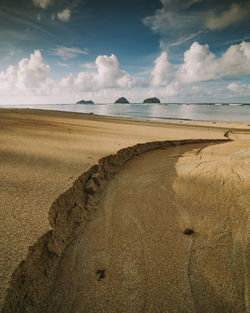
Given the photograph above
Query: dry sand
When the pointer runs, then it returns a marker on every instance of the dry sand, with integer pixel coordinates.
(135, 231)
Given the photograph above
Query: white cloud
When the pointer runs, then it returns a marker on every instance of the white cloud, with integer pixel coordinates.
(64, 15)
(62, 64)
(236, 60)
(176, 21)
(108, 75)
(184, 16)
(163, 93)
(88, 65)
(67, 53)
(186, 38)
(160, 74)
(233, 87)
(68, 82)
(242, 89)
(172, 89)
(42, 3)
(201, 65)
(84, 81)
(234, 14)
(170, 16)
(105, 80)
(29, 77)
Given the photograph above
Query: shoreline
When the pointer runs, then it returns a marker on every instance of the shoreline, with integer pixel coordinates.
(149, 118)
(225, 125)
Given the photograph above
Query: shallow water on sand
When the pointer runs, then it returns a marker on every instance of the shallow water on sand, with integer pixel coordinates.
(212, 112)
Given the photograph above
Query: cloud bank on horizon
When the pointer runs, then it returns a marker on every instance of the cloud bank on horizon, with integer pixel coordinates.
(193, 51)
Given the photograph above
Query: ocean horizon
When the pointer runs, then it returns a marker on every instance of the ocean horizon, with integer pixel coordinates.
(226, 112)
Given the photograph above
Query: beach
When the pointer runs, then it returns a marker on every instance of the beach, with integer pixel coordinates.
(42, 153)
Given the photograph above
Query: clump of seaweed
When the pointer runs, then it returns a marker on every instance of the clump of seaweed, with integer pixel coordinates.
(188, 231)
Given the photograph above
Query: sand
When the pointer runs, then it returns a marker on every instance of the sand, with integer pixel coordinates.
(43, 152)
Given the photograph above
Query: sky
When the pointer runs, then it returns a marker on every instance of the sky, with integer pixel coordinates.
(61, 51)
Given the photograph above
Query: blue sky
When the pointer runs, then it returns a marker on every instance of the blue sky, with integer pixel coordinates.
(55, 51)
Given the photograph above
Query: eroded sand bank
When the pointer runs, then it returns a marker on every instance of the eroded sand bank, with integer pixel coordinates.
(43, 152)
(118, 243)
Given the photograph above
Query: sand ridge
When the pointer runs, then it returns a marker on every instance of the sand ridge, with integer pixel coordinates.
(39, 148)
(70, 216)
(138, 237)
(43, 152)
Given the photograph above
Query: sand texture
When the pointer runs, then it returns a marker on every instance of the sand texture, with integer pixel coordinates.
(43, 152)
(125, 218)
(120, 215)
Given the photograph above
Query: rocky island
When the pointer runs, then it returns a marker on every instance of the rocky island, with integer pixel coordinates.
(122, 100)
(85, 102)
(152, 100)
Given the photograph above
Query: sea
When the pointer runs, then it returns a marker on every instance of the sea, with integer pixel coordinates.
(227, 112)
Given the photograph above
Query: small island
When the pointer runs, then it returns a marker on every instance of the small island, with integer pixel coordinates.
(121, 100)
(152, 100)
(85, 102)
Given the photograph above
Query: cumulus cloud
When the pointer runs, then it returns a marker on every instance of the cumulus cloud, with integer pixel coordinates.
(104, 78)
(66, 52)
(172, 89)
(234, 14)
(200, 64)
(107, 75)
(30, 76)
(160, 74)
(236, 60)
(64, 15)
(42, 3)
(163, 93)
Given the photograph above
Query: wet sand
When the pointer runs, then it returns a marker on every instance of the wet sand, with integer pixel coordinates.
(43, 152)
(137, 237)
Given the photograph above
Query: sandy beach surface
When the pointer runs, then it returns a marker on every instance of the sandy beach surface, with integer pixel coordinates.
(129, 252)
